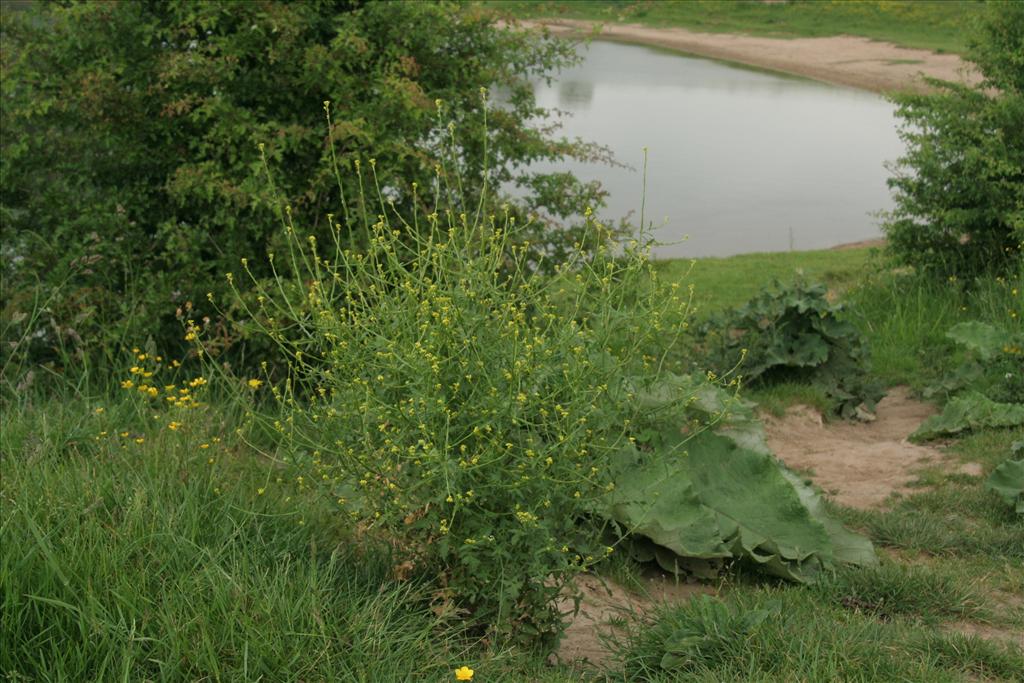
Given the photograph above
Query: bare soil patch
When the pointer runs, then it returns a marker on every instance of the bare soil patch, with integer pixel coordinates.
(1002, 634)
(859, 464)
(606, 605)
(845, 60)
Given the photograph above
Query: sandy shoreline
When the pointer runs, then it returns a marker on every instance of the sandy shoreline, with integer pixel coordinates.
(843, 60)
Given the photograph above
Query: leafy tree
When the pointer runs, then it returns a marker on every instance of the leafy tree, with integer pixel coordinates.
(960, 188)
(133, 179)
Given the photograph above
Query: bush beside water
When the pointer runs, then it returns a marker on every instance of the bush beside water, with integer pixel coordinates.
(460, 406)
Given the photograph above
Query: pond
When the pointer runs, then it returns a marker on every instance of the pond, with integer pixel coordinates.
(739, 160)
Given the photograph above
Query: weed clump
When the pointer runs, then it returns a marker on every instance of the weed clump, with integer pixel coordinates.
(457, 405)
(794, 332)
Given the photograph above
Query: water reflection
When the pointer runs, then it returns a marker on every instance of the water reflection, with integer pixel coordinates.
(740, 160)
(575, 94)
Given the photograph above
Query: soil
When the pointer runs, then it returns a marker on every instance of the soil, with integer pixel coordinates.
(986, 632)
(860, 464)
(844, 60)
(605, 603)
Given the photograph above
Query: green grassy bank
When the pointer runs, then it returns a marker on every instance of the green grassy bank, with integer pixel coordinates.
(134, 550)
(937, 25)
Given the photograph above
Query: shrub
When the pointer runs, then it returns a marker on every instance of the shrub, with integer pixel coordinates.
(959, 190)
(131, 177)
(456, 403)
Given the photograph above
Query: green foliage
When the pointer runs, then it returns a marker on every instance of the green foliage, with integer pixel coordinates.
(959, 189)
(968, 411)
(458, 404)
(904, 316)
(704, 633)
(987, 341)
(793, 332)
(131, 181)
(986, 388)
(992, 367)
(705, 497)
(1008, 481)
(158, 561)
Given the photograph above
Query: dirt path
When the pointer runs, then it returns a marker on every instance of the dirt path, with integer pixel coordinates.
(845, 60)
(859, 464)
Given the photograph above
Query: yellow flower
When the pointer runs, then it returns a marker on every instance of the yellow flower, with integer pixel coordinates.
(174, 426)
(464, 673)
(152, 391)
(99, 410)
(139, 440)
(191, 336)
(255, 383)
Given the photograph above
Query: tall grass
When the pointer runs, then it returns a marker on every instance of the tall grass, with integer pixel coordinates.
(164, 560)
(905, 318)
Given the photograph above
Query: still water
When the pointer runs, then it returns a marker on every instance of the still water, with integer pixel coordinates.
(738, 159)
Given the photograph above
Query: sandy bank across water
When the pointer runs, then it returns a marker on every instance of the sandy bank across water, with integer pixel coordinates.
(844, 60)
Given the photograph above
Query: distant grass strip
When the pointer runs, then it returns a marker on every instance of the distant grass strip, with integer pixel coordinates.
(937, 25)
(726, 282)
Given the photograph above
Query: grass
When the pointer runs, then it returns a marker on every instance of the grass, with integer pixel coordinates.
(951, 565)
(727, 282)
(937, 25)
(905, 318)
(163, 560)
(814, 638)
(952, 551)
(167, 560)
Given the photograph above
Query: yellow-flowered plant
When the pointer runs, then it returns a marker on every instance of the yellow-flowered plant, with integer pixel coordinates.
(168, 394)
(456, 402)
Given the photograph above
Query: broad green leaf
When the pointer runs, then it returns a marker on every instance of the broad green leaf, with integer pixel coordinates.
(709, 498)
(759, 513)
(654, 497)
(847, 547)
(1008, 481)
(984, 339)
(971, 410)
